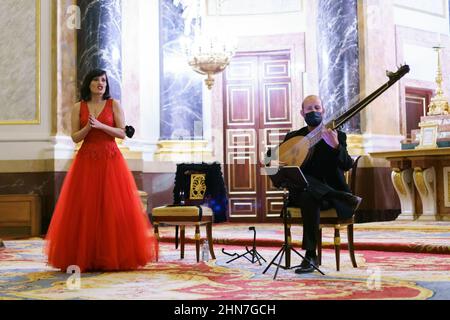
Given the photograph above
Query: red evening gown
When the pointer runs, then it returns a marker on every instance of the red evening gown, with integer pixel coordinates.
(98, 222)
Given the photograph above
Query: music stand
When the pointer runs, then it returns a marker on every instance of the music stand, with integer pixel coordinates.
(253, 252)
(289, 177)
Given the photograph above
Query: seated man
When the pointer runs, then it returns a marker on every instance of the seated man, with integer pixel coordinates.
(324, 170)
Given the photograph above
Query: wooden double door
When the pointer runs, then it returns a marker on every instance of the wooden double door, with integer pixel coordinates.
(257, 115)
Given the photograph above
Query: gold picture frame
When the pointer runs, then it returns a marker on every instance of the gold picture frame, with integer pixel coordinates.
(428, 135)
(37, 118)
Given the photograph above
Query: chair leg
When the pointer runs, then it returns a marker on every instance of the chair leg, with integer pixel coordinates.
(176, 237)
(351, 247)
(197, 242)
(287, 253)
(337, 246)
(182, 240)
(210, 240)
(156, 229)
(319, 247)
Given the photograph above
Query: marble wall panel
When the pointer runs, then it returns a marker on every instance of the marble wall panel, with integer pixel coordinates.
(19, 66)
(100, 41)
(181, 88)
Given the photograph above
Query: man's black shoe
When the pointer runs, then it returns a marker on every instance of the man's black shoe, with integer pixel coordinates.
(307, 265)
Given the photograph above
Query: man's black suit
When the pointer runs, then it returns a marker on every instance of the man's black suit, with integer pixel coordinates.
(324, 170)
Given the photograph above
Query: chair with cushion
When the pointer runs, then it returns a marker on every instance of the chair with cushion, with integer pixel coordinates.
(204, 203)
(329, 219)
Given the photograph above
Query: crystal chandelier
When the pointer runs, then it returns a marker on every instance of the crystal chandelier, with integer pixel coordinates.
(208, 51)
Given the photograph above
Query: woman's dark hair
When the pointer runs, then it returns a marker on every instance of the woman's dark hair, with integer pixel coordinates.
(85, 91)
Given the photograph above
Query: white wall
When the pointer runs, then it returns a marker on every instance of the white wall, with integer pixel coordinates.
(256, 17)
(422, 60)
(429, 15)
(422, 25)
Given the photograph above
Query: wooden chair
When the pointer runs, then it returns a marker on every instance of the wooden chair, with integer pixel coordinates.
(194, 213)
(329, 219)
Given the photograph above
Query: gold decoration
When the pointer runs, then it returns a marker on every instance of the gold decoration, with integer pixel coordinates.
(439, 104)
(428, 135)
(198, 187)
(355, 144)
(183, 151)
(337, 241)
(411, 153)
(420, 181)
(210, 62)
(398, 182)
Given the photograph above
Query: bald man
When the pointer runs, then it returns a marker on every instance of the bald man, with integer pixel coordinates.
(324, 171)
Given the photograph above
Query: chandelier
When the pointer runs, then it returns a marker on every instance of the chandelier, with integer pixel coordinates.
(209, 55)
(207, 49)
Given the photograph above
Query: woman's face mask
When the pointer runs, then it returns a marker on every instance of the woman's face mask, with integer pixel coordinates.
(313, 119)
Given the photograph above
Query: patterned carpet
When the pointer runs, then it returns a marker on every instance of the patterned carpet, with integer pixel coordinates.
(380, 275)
(393, 236)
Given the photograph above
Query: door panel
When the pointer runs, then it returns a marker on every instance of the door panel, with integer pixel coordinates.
(275, 88)
(243, 208)
(257, 92)
(277, 108)
(241, 105)
(241, 174)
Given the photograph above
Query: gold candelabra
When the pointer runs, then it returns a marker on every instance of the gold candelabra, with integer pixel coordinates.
(439, 104)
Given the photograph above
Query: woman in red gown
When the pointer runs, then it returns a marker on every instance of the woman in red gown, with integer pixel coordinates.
(99, 222)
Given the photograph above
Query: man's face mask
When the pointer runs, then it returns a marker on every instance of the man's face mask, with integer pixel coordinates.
(313, 119)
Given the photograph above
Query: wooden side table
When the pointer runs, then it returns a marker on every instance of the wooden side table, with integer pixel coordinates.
(20, 215)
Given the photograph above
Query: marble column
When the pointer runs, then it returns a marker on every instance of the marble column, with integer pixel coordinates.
(100, 41)
(338, 55)
(181, 88)
(66, 68)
